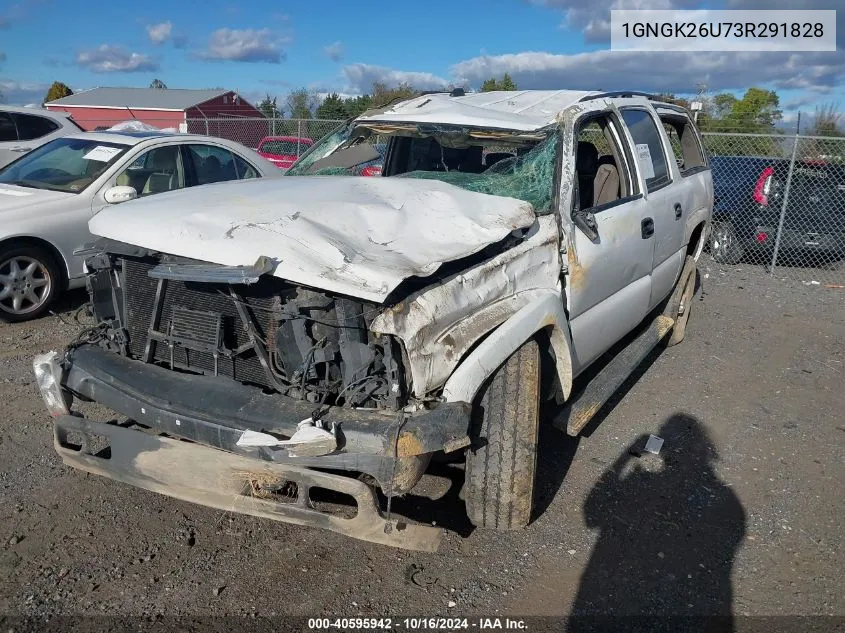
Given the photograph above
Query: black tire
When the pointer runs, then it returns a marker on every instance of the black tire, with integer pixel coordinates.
(501, 464)
(14, 280)
(724, 243)
(680, 303)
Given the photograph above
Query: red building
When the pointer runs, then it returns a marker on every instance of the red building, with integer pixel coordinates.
(100, 108)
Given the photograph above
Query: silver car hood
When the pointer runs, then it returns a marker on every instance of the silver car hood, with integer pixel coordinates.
(356, 236)
(15, 198)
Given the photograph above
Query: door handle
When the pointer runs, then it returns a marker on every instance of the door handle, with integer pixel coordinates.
(648, 228)
(679, 210)
(21, 149)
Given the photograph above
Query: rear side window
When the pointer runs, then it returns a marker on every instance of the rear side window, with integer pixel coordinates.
(649, 149)
(211, 164)
(32, 127)
(243, 168)
(685, 143)
(7, 128)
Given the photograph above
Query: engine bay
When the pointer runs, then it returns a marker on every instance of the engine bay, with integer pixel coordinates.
(302, 343)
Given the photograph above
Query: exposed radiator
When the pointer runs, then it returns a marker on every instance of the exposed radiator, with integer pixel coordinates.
(139, 297)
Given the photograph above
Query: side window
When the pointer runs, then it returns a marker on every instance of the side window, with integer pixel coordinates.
(685, 143)
(243, 169)
(7, 128)
(32, 127)
(155, 171)
(649, 149)
(601, 167)
(211, 164)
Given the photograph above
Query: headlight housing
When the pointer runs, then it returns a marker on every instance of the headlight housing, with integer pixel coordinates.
(48, 376)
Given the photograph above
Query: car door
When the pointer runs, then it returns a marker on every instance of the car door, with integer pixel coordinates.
(691, 173)
(609, 241)
(8, 139)
(662, 195)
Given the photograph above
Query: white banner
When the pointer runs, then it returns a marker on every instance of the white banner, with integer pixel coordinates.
(721, 31)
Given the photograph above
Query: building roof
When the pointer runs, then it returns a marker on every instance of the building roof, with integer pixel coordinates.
(141, 98)
(525, 110)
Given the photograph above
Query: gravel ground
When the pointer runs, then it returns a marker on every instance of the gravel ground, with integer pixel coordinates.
(741, 512)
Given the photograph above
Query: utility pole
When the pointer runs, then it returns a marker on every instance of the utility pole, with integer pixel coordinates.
(700, 100)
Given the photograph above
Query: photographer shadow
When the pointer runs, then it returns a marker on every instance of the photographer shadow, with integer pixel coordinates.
(669, 530)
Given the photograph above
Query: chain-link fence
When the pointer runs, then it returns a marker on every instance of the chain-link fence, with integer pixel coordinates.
(779, 203)
(251, 132)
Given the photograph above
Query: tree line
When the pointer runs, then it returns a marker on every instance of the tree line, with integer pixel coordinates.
(756, 111)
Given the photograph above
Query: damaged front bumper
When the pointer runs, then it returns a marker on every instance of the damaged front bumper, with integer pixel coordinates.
(213, 413)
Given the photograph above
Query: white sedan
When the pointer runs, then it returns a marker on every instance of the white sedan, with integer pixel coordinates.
(48, 196)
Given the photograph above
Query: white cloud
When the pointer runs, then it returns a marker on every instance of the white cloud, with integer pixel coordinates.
(803, 102)
(160, 33)
(657, 71)
(334, 51)
(114, 59)
(361, 77)
(592, 17)
(22, 93)
(245, 45)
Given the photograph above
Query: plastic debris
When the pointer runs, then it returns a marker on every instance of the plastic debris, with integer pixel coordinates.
(654, 444)
(133, 125)
(310, 439)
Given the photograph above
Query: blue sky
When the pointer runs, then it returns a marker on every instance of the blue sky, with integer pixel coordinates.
(344, 46)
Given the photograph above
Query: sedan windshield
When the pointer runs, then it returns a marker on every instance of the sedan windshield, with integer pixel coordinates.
(65, 164)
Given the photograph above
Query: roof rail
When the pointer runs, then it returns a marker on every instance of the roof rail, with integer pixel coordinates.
(672, 106)
(619, 94)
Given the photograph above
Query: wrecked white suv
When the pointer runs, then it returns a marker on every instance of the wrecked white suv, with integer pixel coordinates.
(264, 340)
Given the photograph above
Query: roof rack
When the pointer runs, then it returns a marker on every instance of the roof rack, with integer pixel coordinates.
(619, 94)
(672, 106)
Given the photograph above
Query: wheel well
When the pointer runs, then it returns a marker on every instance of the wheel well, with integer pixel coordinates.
(38, 242)
(694, 245)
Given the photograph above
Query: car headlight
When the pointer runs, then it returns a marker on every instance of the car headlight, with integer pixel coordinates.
(48, 376)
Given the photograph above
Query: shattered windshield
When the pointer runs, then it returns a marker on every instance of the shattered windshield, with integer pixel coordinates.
(493, 162)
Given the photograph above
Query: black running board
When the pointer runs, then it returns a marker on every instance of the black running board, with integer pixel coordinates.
(582, 407)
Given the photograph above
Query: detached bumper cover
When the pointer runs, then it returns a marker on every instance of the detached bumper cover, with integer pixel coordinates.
(222, 480)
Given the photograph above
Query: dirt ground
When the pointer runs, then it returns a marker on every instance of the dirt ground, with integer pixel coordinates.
(742, 512)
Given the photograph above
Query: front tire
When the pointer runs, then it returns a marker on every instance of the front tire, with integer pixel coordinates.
(724, 244)
(502, 462)
(30, 280)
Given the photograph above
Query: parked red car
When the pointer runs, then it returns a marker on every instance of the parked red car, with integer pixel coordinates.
(283, 151)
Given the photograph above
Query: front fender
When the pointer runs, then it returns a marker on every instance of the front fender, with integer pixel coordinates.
(544, 313)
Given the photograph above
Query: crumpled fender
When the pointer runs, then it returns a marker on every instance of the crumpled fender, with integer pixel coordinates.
(544, 313)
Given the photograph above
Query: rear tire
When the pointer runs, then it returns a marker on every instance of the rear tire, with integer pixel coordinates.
(502, 462)
(30, 281)
(724, 244)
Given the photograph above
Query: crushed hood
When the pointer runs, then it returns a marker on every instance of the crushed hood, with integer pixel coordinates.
(355, 236)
